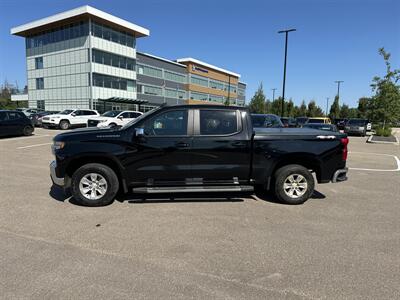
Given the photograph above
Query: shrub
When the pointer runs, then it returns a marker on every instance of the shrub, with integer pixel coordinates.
(384, 131)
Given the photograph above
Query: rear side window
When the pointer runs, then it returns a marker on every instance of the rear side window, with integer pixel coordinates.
(12, 115)
(218, 122)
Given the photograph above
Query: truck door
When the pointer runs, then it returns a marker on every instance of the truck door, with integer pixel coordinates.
(162, 156)
(221, 147)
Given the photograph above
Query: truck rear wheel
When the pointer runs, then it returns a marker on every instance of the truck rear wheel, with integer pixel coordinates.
(294, 184)
(94, 185)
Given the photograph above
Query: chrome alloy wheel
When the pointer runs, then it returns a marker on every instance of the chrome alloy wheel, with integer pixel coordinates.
(295, 186)
(93, 186)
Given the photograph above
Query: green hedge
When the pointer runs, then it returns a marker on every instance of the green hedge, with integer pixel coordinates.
(384, 131)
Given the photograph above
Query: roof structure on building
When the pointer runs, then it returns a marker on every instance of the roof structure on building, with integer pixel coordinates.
(199, 62)
(86, 10)
(161, 58)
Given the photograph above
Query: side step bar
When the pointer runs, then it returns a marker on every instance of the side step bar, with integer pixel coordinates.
(194, 189)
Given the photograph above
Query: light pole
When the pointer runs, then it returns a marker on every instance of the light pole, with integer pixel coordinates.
(284, 66)
(273, 94)
(338, 86)
(327, 104)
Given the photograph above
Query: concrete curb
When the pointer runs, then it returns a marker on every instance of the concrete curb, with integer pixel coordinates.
(369, 140)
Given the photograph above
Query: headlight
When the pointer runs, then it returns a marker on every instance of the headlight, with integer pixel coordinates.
(58, 145)
(102, 121)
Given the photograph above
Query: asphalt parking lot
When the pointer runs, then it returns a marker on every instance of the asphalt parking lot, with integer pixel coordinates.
(342, 244)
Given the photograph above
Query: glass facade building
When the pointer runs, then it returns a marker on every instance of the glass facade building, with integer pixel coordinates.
(77, 58)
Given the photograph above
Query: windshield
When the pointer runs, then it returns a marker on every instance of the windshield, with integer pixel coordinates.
(357, 122)
(66, 112)
(112, 113)
(134, 121)
(301, 120)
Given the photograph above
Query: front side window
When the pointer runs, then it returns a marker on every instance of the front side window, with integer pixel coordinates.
(168, 123)
(218, 122)
(12, 115)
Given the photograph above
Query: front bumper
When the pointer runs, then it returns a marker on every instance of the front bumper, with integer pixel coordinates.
(340, 175)
(59, 181)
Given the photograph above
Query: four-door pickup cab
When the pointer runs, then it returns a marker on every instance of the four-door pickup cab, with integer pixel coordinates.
(196, 148)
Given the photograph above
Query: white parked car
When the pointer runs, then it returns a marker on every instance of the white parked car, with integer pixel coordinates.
(113, 118)
(69, 118)
(29, 111)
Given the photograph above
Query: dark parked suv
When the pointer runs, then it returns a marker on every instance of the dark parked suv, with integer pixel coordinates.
(14, 122)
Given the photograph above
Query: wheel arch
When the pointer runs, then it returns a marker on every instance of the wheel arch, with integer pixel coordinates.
(306, 160)
(108, 161)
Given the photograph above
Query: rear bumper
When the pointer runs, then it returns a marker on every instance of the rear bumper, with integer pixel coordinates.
(59, 181)
(340, 175)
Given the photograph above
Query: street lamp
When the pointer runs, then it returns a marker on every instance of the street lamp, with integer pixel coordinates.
(284, 66)
(338, 86)
(273, 93)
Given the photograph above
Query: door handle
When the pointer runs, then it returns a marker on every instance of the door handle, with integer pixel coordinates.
(182, 145)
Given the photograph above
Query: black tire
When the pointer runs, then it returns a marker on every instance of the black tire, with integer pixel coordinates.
(28, 130)
(107, 173)
(112, 125)
(282, 174)
(64, 124)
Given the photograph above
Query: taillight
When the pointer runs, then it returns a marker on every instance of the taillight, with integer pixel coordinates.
(345, 142)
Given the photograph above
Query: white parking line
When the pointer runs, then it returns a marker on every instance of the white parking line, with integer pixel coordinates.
(36, 145)
(25, 137)
(379, 170)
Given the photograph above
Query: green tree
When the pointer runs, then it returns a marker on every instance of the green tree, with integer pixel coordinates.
(344, 111)
(302, 109)
(289, 108)
(385, 104)
(334, 112)
(276, 106)
(268, 106)
(313, 110)
(257, 103)
(364, 105)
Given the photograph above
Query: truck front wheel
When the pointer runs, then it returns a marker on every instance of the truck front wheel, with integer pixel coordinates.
(294, 184)
(94, 185)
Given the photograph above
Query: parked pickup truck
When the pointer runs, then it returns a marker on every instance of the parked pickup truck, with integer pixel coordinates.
(196, 148)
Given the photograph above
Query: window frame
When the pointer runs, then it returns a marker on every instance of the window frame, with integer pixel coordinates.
(196, 122)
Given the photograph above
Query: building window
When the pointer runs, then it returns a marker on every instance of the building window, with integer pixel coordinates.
(241, 92)
(116, 36)
(149, 71)
(40, 104)
(174, 77)
(215, 98)
(233, 88)
(113, 82)
(38, 62)
(152, 90)
(216, 85)
(58, 34)
(40, 83)
(198, 96)
(114, 60)
(199, 81)
(171, 93)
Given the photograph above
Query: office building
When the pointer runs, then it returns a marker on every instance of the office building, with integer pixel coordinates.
(86, 58)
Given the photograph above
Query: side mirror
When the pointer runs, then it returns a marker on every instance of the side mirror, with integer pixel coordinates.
(120, 117)
(73, 114)
(139, 132)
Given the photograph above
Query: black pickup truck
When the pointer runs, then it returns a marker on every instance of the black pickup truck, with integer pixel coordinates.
(196, 148)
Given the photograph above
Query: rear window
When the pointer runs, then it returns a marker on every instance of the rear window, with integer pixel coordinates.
(357, 122)
(218, 122)
(316, 121)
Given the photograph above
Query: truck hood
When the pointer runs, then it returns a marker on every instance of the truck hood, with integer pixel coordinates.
(89, 134)
(296, 133)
